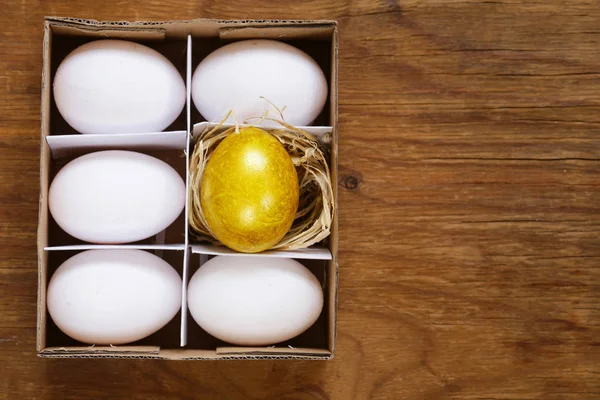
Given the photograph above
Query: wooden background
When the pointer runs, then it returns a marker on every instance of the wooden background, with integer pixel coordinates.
(469, 206)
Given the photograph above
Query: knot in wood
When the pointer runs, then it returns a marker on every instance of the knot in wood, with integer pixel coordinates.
(350, 182)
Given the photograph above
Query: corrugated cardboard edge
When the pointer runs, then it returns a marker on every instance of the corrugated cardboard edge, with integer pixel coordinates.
(291, 351)
(143, 350)
(169, 357)
(152, 352)
(227, 22)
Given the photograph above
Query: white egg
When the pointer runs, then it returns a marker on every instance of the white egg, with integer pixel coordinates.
(254, 300)
(117, 86)
(246, 76)
(113, 296)
(116, 196)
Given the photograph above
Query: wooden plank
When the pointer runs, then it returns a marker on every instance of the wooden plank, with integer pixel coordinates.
(469, 207)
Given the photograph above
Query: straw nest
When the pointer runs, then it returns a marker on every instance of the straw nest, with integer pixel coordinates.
(316, 207)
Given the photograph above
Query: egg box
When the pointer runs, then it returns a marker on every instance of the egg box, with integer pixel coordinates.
(185, 44)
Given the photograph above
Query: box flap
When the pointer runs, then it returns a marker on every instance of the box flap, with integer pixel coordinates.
(91, 28)
(275, 32)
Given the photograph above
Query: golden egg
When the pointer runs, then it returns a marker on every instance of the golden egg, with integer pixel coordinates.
(249, 191)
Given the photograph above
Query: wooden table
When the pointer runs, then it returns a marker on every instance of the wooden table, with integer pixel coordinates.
(469, 207)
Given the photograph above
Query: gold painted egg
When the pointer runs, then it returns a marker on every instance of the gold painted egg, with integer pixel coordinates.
(249, 191)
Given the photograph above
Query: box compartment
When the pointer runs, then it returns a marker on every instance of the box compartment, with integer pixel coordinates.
(166, 337)
(314, 340)
(318, 47)
(174, 49)
(173, 234)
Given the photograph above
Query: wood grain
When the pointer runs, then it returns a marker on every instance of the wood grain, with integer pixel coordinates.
(469, 207)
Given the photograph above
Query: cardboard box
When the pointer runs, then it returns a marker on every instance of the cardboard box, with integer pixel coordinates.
(185, 43)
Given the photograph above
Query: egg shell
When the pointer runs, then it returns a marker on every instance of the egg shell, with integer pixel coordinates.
(116, 196)
(113, 296)
(247, 76)
(249, 191)
(254, 300)
(118, 86)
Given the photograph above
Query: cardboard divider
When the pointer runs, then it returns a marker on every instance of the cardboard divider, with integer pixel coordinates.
(186, 258)
(82, 247)
(183, 336)
(315, 337)
(188, 86)
(310, 253)
(70, 145)
(166, 337)
(319, 132)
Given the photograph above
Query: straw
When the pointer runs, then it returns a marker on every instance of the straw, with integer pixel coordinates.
(315, 212)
